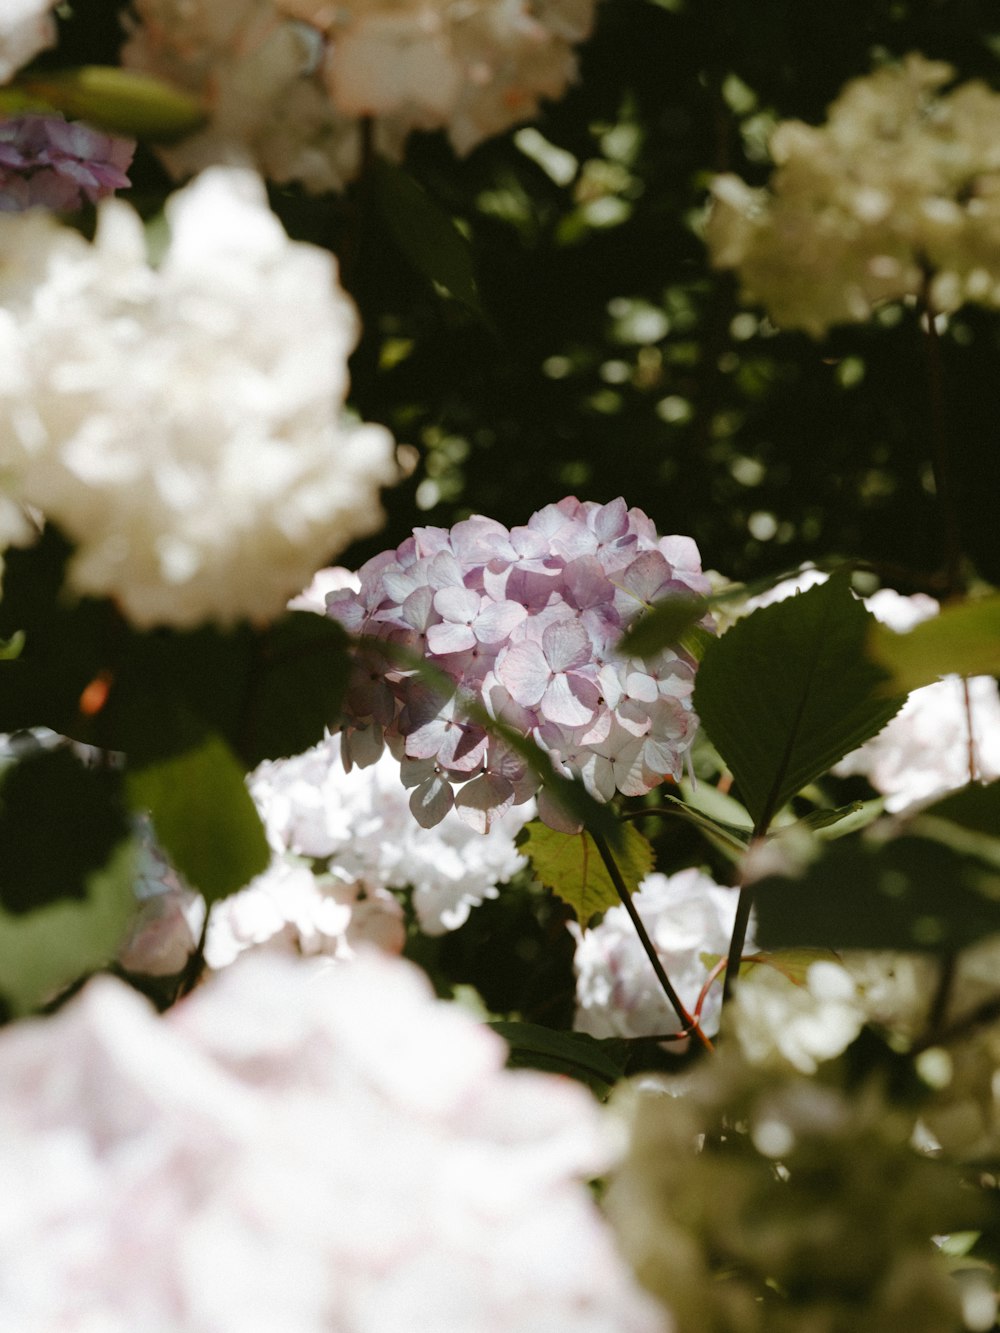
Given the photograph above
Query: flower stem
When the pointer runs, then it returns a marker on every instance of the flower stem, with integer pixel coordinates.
(690, 1024)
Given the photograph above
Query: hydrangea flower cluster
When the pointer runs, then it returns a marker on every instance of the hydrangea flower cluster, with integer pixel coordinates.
(523, 623)
(287, 82)
(687, 916)
(297, 1147)
(47, 162)
(359, 823)
(184, 425)
(900, 186)
(26, 27)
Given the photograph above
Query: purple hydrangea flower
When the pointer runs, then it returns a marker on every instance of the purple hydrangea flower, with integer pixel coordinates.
(48, 162)
(526, 624)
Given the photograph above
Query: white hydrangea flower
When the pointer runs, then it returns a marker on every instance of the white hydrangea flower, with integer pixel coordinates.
(926, 749)
(688, 918)
(901, 181)
(297, 1147)
(288, 82)
(26, 27)
(360, 822)
(779, 1023)
(290, 907)
(184, 425)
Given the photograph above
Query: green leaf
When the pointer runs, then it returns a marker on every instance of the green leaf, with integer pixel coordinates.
(663, 625)
(302, 673)
(203, 816)
(10, 649)
(59, 822)
(425, 234)
(845, 819)
(119, 100)
(598, 1063)
(963, 640)
(788, 691)
(909, 893)
(570, 865)
(44, 950)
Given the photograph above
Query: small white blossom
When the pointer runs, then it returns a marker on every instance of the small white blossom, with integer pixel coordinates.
(302, 1148)
(690, 919)
(184, 425)
(26, 27)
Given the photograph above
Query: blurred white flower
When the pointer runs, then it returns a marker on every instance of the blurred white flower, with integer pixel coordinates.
(26, 27)
(288, 82)
(900, 184)
(290, 907)
(184, 425)
(690, 919)
(302, 1148)
(360, 822)
(780, 1023)
(763, 1199)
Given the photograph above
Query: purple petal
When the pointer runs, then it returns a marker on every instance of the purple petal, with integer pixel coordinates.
(458, 604)
(450, 638)
(497, 620)
(562, 704)
(525, 673)
(483, 800)
(566, 645)
(431, 801)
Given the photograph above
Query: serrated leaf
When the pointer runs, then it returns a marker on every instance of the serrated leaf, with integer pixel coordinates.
(909, 893)
(963, 640)
(45, 950)
(599, 1063)
(788, 691)
(663, 625)
(571, 866)
(426, 234)
(203, 817)
(119, 100)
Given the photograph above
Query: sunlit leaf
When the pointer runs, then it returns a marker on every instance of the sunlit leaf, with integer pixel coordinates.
(663, 625)
(963, 640)
(46, 949)
(571, 865)
(203, 817)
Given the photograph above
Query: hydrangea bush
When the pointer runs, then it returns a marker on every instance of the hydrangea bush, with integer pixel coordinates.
(693, 871)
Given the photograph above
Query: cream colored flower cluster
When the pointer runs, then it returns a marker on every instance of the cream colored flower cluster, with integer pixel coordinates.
(183, 425)
(26, 27)
(287, 82)
(896, 195)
